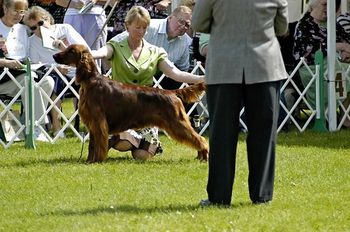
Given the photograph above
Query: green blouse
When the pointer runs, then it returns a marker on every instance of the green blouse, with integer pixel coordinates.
(127, 70)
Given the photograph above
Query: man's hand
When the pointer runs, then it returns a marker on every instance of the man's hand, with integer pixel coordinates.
(344, 57)
(162, 5)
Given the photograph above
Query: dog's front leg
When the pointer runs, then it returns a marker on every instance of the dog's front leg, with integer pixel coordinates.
(100, 148)
(91, 154)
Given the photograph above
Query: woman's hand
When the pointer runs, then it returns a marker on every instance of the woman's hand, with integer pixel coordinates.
(13, 64)
(63, 69)
(59, 44)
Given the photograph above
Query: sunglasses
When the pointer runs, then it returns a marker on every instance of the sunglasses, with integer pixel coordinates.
(39, 24)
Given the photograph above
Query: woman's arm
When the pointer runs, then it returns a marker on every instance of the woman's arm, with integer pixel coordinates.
(104, 52)
(12, 64)
(174, 73)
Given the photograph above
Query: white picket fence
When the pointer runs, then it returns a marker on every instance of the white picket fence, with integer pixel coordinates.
(292, 117)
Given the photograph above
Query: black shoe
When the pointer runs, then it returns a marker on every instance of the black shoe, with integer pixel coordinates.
(207, 203)
(261, 202)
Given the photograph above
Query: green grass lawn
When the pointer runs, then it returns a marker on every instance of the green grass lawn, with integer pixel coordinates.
(47, 189)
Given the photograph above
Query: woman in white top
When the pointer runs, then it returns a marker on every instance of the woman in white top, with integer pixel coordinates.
(14, 48)
(41, 21)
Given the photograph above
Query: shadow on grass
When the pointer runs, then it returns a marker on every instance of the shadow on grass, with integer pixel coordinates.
(155, 160)
(132, 209)
(110, 161)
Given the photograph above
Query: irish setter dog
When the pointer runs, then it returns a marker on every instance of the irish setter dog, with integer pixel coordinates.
(110, 107)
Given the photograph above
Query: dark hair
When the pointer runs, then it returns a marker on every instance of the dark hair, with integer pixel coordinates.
(337, 5)
(1, 9)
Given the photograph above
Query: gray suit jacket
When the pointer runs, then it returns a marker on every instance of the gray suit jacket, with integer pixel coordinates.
(242, 39)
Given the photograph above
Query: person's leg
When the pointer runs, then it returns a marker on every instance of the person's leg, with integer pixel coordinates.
(125, 141)
(140, 148)
(75, 21)
(55, 116)
(224, 103)
(9, 88)
(261, 106)
(305, 78)
(92, 34)
(42, 93)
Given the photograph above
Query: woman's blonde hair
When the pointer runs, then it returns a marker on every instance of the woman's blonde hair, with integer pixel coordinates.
(137, 13)
(38, 13)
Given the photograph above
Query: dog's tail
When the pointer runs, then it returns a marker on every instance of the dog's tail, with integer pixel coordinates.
(192, 93)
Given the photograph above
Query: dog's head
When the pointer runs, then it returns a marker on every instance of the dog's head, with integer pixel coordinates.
(73, 55)
(80, 57)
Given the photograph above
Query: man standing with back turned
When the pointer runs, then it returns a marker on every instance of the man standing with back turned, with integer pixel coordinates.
(244, 64)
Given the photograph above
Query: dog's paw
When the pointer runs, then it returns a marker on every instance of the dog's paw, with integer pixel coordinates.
(203, 156)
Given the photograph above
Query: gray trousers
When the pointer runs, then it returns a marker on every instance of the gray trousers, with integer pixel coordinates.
(9, 88)
(261, 102)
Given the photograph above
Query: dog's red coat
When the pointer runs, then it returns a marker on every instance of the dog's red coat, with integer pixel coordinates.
(110, 107)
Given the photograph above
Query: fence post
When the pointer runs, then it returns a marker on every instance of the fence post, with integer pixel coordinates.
(29, 112)
(320, 121)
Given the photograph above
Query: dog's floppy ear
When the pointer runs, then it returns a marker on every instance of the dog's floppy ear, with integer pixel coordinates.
(84, 58)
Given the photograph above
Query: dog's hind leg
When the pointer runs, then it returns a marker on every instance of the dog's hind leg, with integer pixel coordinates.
(100, 136)
(182, 131)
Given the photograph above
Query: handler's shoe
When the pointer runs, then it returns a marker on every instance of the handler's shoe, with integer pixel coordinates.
(39, 136)
(260, 202)
(207, 203)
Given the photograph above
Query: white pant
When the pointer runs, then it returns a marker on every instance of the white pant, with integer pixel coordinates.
(9, 88)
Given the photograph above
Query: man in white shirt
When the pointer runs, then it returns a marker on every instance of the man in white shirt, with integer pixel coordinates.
(170, 33)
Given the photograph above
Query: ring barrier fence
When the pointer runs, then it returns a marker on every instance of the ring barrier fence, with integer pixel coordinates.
(300, 113)
(342, 84)
(12, 126)
(67, 121)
